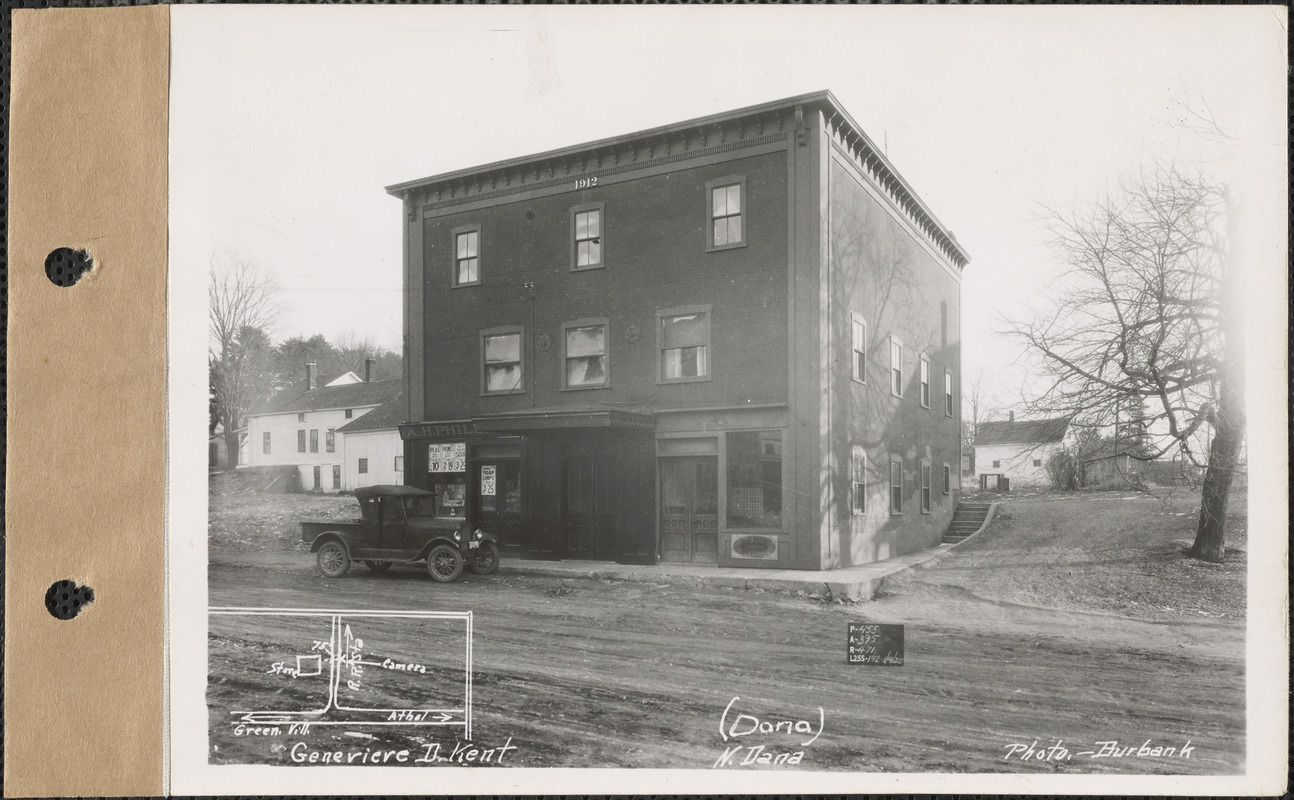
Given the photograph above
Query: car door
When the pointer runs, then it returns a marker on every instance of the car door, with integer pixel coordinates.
(394, 524)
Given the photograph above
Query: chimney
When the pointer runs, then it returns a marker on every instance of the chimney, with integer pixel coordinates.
(368, 369)
(1010, 416)
(310, 375)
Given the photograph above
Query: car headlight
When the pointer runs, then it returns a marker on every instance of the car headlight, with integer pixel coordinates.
(478, 533)
(457, 536)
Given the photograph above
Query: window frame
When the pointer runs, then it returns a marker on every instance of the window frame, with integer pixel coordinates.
(350, 413)
(463, 230)
(314, 440)
(923, 378)
(710, 186)
(265, 443)
(585, 208)
(330, 440)
(856, 322)
(924, 479)
(857, 481)
(997, 463)
(896, 371)
(361, 466)
(948, 393)
(725, 478)
(399, 464)
(679, 311)
(606, 353)
(896, 501)
(502, 330)
(948, 479)
(301, 416)
(301, 440)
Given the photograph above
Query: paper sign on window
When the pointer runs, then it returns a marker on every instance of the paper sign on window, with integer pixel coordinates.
(449, 457)
(488, 479)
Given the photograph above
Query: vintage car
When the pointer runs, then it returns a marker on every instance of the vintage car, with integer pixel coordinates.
(401, 525)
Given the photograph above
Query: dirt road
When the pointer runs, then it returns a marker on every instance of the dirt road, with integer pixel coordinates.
(588, 673)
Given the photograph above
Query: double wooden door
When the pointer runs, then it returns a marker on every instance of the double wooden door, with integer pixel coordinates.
(588, 508)
(689, 491)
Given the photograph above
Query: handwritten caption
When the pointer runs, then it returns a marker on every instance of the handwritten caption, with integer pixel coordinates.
(1036, 751)
(751, 740)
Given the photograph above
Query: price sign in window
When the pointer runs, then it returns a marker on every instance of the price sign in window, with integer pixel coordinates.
(488, 479)
(447, 457)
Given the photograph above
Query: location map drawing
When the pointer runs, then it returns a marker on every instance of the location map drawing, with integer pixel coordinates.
(309, 667)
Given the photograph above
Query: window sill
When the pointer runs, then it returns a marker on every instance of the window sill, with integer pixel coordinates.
(510, 393)
(696, 379)
(715, 248)
(464, 285)
(859, 381)
(584, 388)
(588, 268)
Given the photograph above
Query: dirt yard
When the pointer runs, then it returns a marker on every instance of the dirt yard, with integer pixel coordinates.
(608, 674)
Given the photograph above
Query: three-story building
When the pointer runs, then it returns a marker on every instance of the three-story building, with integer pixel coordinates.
(732, 340)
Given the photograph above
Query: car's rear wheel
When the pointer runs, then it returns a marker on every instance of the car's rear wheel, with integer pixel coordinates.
(444, 564)
(378, 566)
(333, 559)
(486, 559)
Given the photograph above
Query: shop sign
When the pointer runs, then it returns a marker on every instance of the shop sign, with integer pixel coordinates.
(447, 457)
(488, 480)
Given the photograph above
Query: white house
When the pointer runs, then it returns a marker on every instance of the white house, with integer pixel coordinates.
(374, 451)
(302, 428)
(1017, 451)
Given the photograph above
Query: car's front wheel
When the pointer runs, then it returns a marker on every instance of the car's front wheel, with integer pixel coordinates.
(333, 559)
(486, 559)
(444, 564)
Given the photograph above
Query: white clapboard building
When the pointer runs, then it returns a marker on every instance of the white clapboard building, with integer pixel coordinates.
(304, 429)
(374, 452)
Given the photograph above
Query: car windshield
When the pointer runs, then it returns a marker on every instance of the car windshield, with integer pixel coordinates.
(420, 506)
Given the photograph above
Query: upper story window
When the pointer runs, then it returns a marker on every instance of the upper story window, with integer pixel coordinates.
(301, 417)
(896, 367)
(501, 371)
(859, 348)
(684, 343)
(467, 255)
(265, 442)
(948, 393)
(586, 242)
(584, 353)
(925, 381)
(301, 441)
(726, 201)
(314, 440)
(330, 441)
(350, 412)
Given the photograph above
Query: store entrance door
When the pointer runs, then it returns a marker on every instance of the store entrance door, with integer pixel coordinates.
(689, 491)
(588, 513)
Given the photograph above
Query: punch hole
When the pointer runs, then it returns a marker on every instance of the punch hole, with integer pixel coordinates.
(65, 266)
(65, 599)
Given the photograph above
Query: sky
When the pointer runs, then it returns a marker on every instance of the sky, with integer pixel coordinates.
(288, 121)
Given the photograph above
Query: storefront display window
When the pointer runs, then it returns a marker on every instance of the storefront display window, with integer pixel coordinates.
(755, 480)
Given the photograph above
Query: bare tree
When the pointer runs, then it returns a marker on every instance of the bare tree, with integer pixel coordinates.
(353, 350)
(242, 310)
(1147, 320)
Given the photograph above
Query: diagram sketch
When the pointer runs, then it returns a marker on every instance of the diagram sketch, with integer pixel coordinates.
(283, 672)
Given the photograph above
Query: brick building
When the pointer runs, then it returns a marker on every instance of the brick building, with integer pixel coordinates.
(731, 340)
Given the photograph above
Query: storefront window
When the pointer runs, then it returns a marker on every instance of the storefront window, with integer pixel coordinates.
(451, 494)
(755, 479)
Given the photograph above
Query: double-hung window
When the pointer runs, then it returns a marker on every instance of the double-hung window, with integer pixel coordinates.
(501, 366)
(948, 479)
(948, 393)
(925, 381)
(896, 485)
(859, 359)
(586, 242)
(265, 442)
(925, 488)
(314, 440)
(301, 440)
(726, 203)
(330, 441)
(896, 367)
(684, 344)
(858, 479)
(467, 255)
(585, 354)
